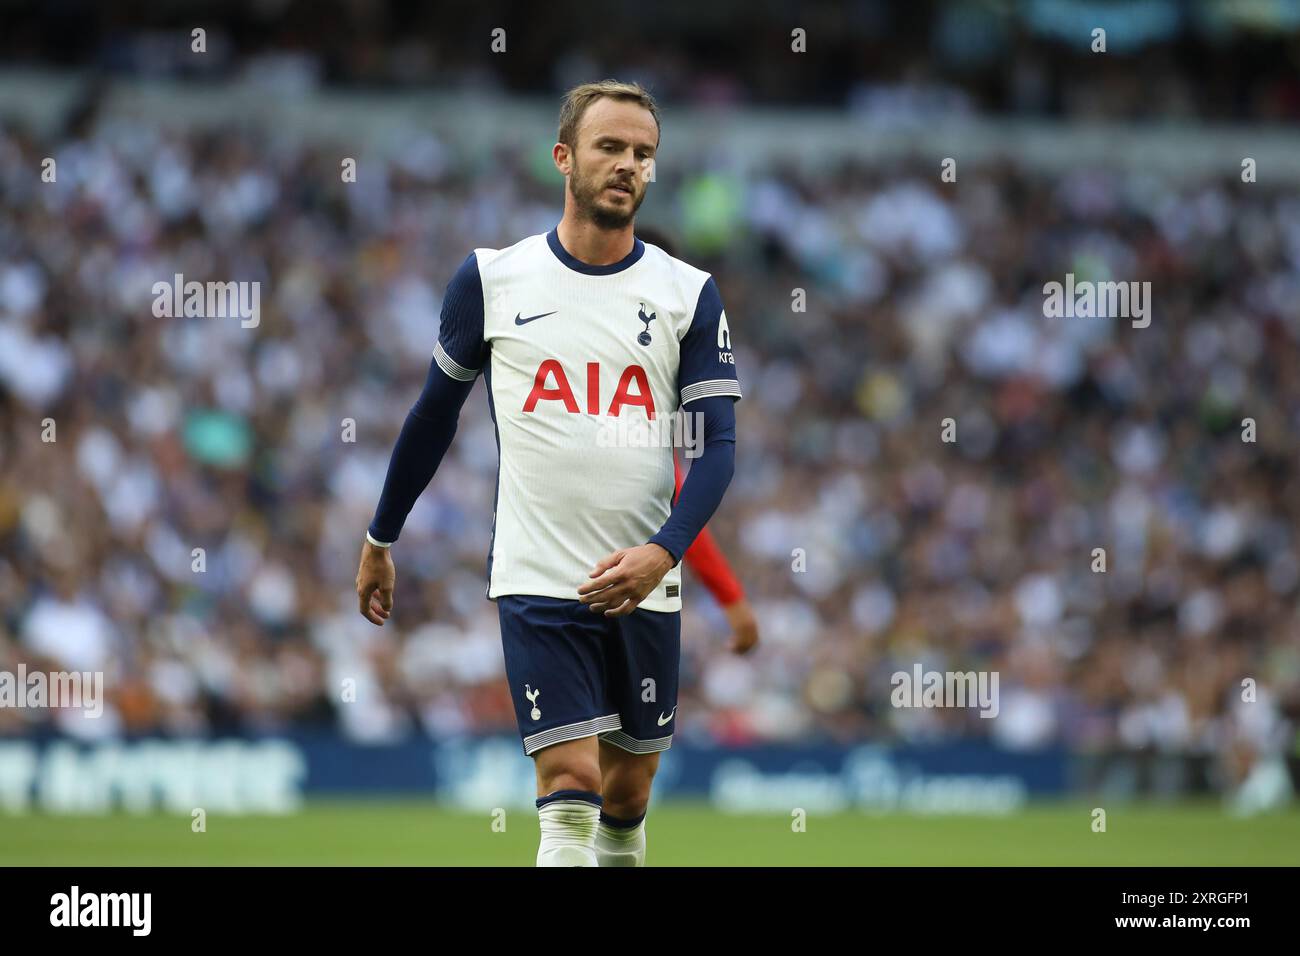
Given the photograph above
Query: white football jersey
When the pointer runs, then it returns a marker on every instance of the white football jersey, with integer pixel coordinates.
(584, 367)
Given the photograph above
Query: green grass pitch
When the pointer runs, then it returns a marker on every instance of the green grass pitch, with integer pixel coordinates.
(404, 833)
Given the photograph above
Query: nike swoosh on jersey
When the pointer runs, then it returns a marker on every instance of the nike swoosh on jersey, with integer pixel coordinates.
(531, 318)
(663, 720)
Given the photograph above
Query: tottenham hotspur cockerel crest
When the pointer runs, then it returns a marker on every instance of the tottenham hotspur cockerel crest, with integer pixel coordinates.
(644, 337)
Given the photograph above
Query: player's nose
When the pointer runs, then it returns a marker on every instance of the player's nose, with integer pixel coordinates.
(626, 163)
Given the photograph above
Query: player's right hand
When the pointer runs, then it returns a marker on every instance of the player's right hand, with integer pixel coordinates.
(375, 579)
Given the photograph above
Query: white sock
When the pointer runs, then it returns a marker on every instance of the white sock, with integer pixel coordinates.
(568, 832)
(621, 846)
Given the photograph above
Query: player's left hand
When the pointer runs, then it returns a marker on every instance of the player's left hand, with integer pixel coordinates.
(622, 580)
(744, 626)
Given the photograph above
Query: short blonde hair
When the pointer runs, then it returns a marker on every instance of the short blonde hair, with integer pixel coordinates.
(580, 97)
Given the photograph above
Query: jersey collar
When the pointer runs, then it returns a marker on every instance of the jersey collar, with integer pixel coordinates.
(577, 265)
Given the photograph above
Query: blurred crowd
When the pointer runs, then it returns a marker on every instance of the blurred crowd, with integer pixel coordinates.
(906, 62)
(193, 527)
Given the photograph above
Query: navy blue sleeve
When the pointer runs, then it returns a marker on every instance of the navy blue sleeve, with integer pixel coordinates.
(425, 437)
(707, 480)
(461, 351)
(431, 423)
(708, 364)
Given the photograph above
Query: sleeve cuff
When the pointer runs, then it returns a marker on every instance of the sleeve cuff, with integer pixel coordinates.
(717, 386)
(453, 368)
(378, 544)
(677, 558)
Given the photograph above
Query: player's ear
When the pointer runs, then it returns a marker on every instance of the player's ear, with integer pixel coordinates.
(561, 154)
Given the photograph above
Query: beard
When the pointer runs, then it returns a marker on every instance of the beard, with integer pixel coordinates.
(587, 193)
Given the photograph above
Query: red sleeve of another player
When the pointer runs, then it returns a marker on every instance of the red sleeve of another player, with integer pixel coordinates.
(706, 560)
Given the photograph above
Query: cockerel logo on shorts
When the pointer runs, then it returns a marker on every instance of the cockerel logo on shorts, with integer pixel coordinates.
(532, 696)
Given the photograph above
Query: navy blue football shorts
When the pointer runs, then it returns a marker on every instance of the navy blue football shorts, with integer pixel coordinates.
(577, 674)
